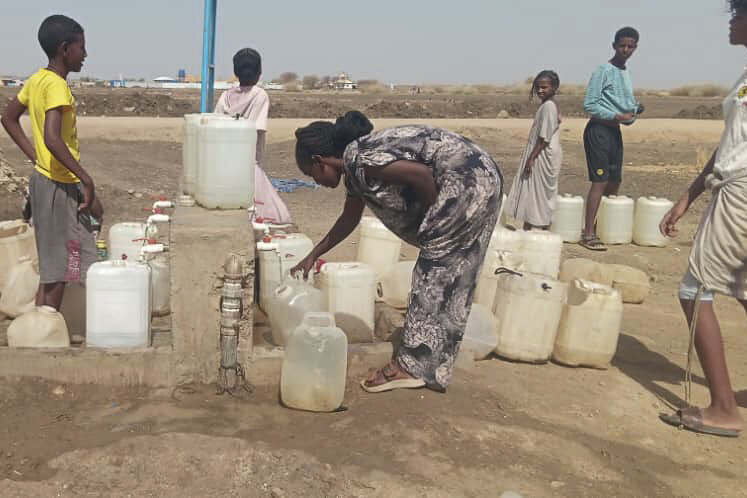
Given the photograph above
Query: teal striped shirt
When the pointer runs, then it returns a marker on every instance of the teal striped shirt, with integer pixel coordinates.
(609, 93)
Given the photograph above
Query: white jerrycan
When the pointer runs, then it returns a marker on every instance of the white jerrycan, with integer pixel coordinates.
(42, 327)
(315, 365)
(289, 304)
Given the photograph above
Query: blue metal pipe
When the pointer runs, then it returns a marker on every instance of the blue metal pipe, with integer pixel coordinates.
(208, 56)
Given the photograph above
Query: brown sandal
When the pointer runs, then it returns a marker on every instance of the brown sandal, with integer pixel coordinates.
(391, 382)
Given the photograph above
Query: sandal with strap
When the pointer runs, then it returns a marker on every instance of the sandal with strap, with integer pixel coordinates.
(691, 419)
(592, 243)
(391, 382)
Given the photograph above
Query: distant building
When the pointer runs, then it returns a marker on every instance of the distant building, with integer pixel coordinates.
(117, 83)
(11, 82)
(272, 86)
(343, 83)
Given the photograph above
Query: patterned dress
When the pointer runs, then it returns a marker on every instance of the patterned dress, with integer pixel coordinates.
(452, 235)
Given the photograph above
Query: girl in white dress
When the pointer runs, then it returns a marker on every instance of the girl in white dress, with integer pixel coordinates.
(535, 186)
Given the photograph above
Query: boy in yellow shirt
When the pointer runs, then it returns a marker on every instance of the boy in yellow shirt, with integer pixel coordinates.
(62, 194)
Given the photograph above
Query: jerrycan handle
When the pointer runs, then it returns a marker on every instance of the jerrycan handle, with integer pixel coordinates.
(319, 319)
(503, 269)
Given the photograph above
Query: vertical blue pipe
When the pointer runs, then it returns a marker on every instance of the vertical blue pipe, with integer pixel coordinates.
(213, 16)
(207, 38)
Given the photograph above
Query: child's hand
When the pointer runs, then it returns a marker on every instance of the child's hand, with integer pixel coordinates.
(528, 168)
(668, 227)
(97, 209)
(89, 196)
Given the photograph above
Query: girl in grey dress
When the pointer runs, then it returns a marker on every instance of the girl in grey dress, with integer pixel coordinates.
(437, 191)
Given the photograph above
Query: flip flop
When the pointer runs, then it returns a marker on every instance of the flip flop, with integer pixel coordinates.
(694, 422)
(592, 244)
(392, 383)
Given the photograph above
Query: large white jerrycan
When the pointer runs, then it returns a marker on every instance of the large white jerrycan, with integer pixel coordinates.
(118, 304)
(506, 240)
(528, 309)
(590, 325)
(378, 247)
(189, 150)
(160, 284)
(394, 288)
(277, 255)
(480, 335)
(125, 240)
(42, 327)
(73, 309)
(615, 219)
(648, 214)
(19, 292)
(16, 240)
(227, 158)
(315, 365)
(487, 282)
(541, 252)
(350, 292)
(289, 303)
(568, 217)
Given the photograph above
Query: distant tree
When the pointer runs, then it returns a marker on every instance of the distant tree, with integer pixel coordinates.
(325, 81)
(310, 81)
(288, 77)
(368, 82)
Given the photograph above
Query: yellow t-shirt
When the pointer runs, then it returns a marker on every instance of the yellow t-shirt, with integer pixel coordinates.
(43, 91)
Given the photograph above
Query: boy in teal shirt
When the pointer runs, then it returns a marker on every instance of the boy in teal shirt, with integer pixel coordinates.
(609, 101)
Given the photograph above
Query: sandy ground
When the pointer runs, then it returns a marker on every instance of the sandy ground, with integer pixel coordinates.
(540, 430)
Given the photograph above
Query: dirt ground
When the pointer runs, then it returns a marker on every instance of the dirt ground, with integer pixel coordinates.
(154, 102)
(539, 430)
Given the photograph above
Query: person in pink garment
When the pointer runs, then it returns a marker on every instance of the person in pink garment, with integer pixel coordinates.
(251, 102)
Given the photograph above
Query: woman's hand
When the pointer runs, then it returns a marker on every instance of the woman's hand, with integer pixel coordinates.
(667, 227)
(304, 266)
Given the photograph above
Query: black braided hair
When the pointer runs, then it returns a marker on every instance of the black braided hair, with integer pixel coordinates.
(737, 6)
(547, 74)
(325, 139)
(627, 32)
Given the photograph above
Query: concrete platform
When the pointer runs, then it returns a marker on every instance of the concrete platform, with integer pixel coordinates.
(200, 241)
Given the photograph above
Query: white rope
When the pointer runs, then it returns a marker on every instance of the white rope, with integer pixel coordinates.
(691, 346)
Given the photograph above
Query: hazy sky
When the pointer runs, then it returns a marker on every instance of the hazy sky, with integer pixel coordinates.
(398, 41)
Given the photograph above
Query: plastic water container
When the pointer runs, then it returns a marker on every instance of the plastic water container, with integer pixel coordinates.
(125, 240)
(394, 288)
(277, 255)
(16, 240)
(118, 305)
(378, 247)
(590, 325)
(227, 157)
(315, 365)
(487, 282)
(502, 212)
(480, 335)
(528, 309)
(349, 288)
(20, 288)
(42, 327)
(649, 212)
(73, 309)
(160, 284)
(615, 220)
(189, 150)
(288, 305)
(568, 217)
(503, 239)
(540, 252)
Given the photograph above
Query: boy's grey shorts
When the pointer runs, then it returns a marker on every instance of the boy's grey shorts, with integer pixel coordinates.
(65, 241)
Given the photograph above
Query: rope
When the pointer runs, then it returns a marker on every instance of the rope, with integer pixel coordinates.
(691, 346)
